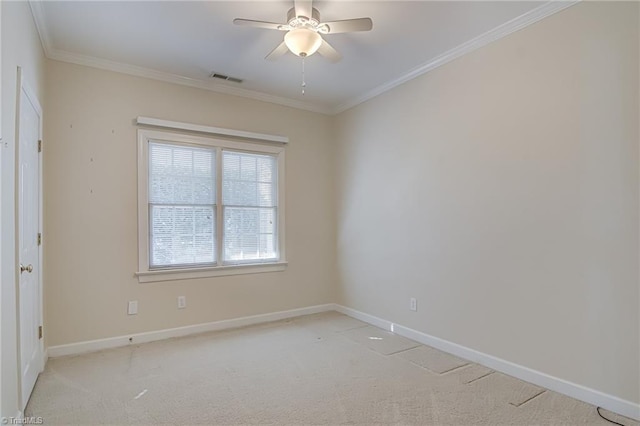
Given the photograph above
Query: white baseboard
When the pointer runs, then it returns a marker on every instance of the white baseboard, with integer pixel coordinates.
(151, 336)
(369, 319)
(45, 358)
(579, 392)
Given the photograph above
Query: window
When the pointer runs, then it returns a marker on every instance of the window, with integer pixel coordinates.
(182, 205)
(208, 207)
(249, 195)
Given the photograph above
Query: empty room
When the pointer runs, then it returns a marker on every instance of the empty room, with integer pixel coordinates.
(296, 212)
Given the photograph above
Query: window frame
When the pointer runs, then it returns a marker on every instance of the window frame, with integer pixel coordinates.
(147, 274)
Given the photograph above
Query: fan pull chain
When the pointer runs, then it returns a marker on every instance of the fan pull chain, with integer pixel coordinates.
(304, 83)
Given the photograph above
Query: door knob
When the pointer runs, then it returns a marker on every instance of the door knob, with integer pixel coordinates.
(28, 268)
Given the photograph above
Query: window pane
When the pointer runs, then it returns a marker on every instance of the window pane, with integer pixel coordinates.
(249, 233)
(181, 205)
(182, 235)
(181, 174)
(249, 179)
(248, 166)
(249, 196)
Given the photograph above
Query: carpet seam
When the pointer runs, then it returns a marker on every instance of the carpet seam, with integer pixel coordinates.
(481, 377)
(527, 400)
(403, 350)
(454, 368)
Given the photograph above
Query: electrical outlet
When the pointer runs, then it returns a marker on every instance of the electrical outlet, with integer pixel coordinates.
(413, 304)
(182, 302)
(132, 308)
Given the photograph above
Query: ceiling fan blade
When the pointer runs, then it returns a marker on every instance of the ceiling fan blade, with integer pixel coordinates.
(277, 52)
(329, 52)
(349, 25)
(303, 8)
(259, 24)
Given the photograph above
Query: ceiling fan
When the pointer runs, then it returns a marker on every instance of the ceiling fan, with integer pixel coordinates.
(304, 31)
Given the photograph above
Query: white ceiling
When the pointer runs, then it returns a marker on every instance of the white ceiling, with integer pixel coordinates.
(185, 41)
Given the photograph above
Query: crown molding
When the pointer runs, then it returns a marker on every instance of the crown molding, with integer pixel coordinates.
(41, 25)
(547, 9)
(509, 27)
(137, 71)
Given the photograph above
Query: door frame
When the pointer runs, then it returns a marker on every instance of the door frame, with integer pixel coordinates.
(24, 87)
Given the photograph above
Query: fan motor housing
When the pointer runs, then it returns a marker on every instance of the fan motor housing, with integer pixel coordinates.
(291, 15)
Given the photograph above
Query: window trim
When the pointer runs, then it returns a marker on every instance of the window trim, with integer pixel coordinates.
(146, 274)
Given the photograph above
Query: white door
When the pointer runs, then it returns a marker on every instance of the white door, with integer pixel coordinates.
(29, 294)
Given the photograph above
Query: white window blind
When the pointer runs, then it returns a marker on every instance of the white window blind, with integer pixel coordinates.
(208, 207)
(182, 205)
(249, 202)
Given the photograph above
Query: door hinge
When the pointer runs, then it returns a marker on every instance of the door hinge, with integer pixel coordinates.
(39, 239)
(40, 332)
(40, 145)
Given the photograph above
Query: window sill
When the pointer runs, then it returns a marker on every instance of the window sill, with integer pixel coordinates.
(214, 271)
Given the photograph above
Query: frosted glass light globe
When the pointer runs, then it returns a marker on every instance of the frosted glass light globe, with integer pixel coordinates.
(302, 41)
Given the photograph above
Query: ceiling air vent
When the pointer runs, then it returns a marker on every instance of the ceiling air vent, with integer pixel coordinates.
(225, 77)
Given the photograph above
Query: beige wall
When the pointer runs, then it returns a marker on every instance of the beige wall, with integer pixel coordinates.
(91, 203)
(501, 190)
(20, 47)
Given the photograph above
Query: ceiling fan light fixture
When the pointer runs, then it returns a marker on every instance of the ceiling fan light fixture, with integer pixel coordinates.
(303, 41)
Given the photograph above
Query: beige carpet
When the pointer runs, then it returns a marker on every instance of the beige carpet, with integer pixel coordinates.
(319, 369)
